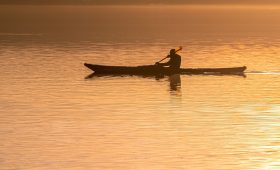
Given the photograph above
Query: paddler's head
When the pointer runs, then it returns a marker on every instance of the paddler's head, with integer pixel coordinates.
(172, 51)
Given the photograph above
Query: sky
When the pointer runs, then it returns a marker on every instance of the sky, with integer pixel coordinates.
(136, 2)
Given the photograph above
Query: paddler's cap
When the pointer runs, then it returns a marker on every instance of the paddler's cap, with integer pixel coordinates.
(172, 51)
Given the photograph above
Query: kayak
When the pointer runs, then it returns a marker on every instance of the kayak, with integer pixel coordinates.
(158, 70)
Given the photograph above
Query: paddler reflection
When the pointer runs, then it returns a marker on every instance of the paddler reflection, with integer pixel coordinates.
(175, 83)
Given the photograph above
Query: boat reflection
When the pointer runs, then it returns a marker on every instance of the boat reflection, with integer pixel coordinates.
(174, 80)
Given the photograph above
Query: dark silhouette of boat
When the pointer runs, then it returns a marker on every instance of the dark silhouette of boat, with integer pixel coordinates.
(150, 70)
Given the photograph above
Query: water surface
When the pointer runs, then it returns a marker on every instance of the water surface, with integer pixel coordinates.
(54, 118)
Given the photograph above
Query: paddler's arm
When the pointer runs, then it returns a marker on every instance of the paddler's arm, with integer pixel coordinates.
(163, 64)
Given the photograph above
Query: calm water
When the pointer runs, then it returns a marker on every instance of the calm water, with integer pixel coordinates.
(54, 118)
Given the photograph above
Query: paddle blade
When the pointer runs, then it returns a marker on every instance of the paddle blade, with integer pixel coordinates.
(179, 49)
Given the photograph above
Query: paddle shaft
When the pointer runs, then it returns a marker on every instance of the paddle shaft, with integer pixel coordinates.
(179, 49)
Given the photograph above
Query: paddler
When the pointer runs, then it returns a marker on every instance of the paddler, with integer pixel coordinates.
(174, 61)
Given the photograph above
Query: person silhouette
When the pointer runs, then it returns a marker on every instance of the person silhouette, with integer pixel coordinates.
(174, 61)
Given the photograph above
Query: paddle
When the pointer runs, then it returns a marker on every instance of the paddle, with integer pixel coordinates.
(179, 49)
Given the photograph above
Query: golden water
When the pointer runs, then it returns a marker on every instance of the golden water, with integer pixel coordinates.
(53, 118)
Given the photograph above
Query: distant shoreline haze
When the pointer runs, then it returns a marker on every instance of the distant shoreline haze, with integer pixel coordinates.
(135, 2)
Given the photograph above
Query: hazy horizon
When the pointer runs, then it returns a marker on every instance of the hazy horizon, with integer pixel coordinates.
(137, 2)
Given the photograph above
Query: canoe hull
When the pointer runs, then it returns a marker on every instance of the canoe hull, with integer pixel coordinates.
(156, 70)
